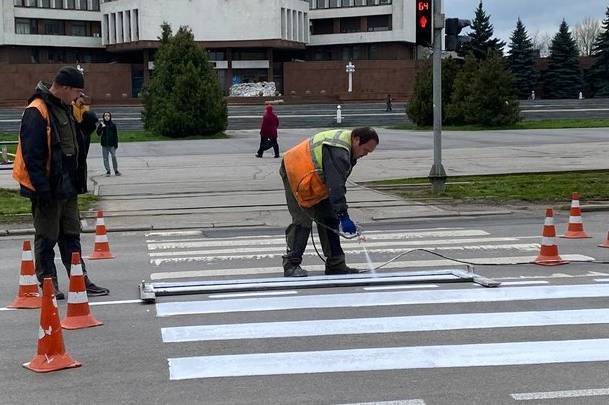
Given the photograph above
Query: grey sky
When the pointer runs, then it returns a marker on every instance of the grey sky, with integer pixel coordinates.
(537, 15)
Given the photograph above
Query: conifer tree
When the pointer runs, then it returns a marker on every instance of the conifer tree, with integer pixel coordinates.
(563, 78)
(183, 97)
(481, 41)
(521, 58)
(599, 72)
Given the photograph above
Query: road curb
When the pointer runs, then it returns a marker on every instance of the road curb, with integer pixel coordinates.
(443, 215)
(88, 230)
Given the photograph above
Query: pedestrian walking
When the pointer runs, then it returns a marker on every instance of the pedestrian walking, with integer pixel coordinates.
(47, 169)
(109, 142)
(388, 101)
(314, 175)
(268, 132)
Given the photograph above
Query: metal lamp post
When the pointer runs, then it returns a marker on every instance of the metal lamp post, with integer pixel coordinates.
(350, 68)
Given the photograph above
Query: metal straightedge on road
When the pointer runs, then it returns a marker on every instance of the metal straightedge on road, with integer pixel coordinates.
(149, 290)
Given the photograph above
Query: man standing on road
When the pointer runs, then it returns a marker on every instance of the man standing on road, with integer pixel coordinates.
(46, 166)
(314, 175)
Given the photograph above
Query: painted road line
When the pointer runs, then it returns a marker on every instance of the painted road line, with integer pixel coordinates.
(400, 287)
(254, 237)
(346, 246)
(529, 282)
(602, 280)
(527, 247)
(399, 402)
(116, 302)
(253, 294)
(394, 324)
(188, 244)
(174, 233)
(393, 265)
(394, 358)
(370, 299)
(536, 396)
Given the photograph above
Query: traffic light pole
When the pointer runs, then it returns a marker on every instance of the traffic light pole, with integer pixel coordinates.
(437, 175)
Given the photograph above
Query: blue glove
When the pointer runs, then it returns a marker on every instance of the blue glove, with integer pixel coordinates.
(347, 225)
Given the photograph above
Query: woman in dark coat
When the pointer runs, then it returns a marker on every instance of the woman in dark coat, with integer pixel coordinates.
(268, 132)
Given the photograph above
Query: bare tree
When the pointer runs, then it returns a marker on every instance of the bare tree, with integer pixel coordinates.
(541, 42)
(585, 33)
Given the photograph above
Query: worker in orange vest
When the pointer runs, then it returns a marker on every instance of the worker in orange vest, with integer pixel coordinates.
(314, 175)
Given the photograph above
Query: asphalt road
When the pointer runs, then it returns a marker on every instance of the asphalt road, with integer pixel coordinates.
(467, 344)
(324, 115)
(427, 343)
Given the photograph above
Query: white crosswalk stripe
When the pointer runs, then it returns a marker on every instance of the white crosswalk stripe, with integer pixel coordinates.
(208, 337)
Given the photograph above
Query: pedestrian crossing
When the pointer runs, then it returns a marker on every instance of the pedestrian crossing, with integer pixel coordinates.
(371, 329)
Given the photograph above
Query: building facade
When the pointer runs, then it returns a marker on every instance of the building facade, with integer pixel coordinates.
(301, 45)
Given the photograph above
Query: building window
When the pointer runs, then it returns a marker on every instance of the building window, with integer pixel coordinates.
(322, 26)
(82, 4)
(335, 3)
(53, 27)
(24, 26)
(351, 24)
(71, 4)
(58, 4)
(95, 5)
(45, 3)
(19, 3)
(79, 29)
(31, 3)
(379, 23)
(215, 55)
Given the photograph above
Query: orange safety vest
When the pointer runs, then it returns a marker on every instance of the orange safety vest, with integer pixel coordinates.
(304, 175)
(20, 172)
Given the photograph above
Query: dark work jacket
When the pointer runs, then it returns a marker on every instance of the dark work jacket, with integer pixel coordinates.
(109, 134)
(337, 164)
(62, 183)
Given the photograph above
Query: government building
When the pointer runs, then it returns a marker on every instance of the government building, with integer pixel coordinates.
(301, 45)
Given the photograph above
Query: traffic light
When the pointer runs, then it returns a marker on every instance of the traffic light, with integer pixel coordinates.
(424, 22)
(452, 29)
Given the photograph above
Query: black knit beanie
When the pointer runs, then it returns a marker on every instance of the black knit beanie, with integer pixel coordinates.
(70, 76)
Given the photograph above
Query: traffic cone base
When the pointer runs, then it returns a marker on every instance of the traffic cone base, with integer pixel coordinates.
(43, 364)
(80, 322)
(27, 296)
(102, 247)
(575, 229)
(51, 354)
(605, 244)
(550, 260)
(33, 302)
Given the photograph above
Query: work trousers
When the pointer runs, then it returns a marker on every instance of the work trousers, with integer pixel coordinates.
(298, 231)
(56, 222)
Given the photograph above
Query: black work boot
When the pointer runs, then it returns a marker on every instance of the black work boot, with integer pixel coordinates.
(336, 265)
(291, 267)
(58, 294)
(93, 290)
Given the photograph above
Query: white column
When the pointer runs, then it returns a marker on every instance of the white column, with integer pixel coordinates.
(306, 27)
(112, 27)
(119, 27)
(134, 26)
(104, 27)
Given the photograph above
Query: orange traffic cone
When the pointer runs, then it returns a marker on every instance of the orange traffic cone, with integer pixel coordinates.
(605, 244)
(548, 254)
(28, 296)
(78, 315)
(575, 230)
(102, 248)
(51, 355)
